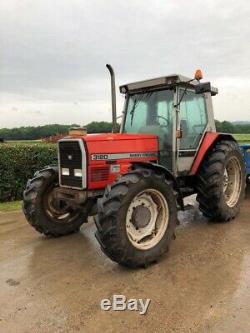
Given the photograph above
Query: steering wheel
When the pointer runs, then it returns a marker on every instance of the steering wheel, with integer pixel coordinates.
(161, 117)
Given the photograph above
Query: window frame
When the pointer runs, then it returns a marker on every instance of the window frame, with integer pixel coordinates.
(179, 94)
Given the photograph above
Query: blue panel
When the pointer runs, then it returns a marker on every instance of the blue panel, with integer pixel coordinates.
(246, 153)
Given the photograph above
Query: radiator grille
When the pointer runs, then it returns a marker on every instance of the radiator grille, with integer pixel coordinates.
(70, 156)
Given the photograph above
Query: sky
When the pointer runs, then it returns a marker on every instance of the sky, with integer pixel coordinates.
(53, 54)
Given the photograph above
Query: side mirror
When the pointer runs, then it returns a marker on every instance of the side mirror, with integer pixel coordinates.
(201, 88)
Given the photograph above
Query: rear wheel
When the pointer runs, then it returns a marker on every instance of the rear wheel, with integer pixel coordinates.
(137, 218)
(46, 214)
(221, 182)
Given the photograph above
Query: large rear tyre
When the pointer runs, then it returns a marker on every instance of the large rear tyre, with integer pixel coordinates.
(47, 215)
(221, 182)
(136, 218)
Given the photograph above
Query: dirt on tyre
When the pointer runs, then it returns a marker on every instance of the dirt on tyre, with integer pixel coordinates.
(221, 182)
(50, 217)
(137, 218)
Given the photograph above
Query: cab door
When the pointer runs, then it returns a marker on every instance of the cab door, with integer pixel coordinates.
(193, 124)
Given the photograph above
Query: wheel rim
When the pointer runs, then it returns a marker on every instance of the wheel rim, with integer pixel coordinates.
(147, 219)
(58, 210)
(232, 181)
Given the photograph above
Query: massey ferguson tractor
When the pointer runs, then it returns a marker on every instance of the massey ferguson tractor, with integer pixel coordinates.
(135, 181)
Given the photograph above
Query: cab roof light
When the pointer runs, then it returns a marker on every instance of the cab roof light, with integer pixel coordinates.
(198, 75)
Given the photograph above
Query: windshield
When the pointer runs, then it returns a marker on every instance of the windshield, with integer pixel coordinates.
(152, 112)
(149, 112)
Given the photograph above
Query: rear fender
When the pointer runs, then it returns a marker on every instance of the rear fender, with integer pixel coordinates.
(208, 142)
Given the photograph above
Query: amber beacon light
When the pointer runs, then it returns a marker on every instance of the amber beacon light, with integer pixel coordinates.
(198, 75)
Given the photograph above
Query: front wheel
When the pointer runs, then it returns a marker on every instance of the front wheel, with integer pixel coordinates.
(46, 214)
(137, 218)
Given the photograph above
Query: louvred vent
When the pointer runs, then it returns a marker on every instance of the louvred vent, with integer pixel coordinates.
(99, 173)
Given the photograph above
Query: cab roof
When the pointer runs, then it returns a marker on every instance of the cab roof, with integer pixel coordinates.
(161, 82)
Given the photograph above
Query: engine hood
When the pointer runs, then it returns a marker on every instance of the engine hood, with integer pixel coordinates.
(116, 137)
(116, 146)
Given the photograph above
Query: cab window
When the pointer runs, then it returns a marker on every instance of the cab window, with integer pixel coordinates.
(193, 119)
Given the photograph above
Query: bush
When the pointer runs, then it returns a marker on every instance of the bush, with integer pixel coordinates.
(18, 163)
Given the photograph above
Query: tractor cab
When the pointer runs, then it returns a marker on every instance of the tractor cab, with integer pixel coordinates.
(175, 108)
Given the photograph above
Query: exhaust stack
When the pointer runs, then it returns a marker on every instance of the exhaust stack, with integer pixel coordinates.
(113, 97)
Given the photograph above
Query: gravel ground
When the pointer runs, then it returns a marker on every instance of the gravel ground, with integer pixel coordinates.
(55, 285)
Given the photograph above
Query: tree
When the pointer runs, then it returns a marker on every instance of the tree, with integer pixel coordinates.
(99, 127)
(227, 127)
(40, 132)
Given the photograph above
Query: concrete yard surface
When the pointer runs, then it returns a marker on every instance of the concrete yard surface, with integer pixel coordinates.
(56, 285)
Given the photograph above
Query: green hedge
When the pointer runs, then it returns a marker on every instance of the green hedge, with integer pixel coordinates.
(18, 163)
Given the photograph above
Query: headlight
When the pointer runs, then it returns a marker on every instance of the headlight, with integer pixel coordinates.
(78, 172)
(65, 171)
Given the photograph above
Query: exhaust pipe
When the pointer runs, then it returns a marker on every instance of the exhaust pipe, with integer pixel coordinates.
(113, 97)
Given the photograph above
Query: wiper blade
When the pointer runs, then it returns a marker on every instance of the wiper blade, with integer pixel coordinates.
(132, 112)
(183, 94)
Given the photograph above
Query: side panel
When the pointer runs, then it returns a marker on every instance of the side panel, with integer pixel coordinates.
(108, 159)
(209, 139)
(246, 153)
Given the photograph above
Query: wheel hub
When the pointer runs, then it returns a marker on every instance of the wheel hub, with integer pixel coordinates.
(147, 219)
(58, 209)
(141, 216)
(232, 182)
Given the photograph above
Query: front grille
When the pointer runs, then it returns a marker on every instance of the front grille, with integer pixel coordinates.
(70, 156)
(99, 173)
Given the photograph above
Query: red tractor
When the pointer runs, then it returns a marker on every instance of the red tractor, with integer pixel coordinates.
(134, 181)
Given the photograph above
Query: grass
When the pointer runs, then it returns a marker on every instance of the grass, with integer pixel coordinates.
(242, 138)
(24, 142)
(10, 206)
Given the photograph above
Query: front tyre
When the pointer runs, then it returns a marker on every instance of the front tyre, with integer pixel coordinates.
(136, 218)
(47, 215)
(221, 182)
